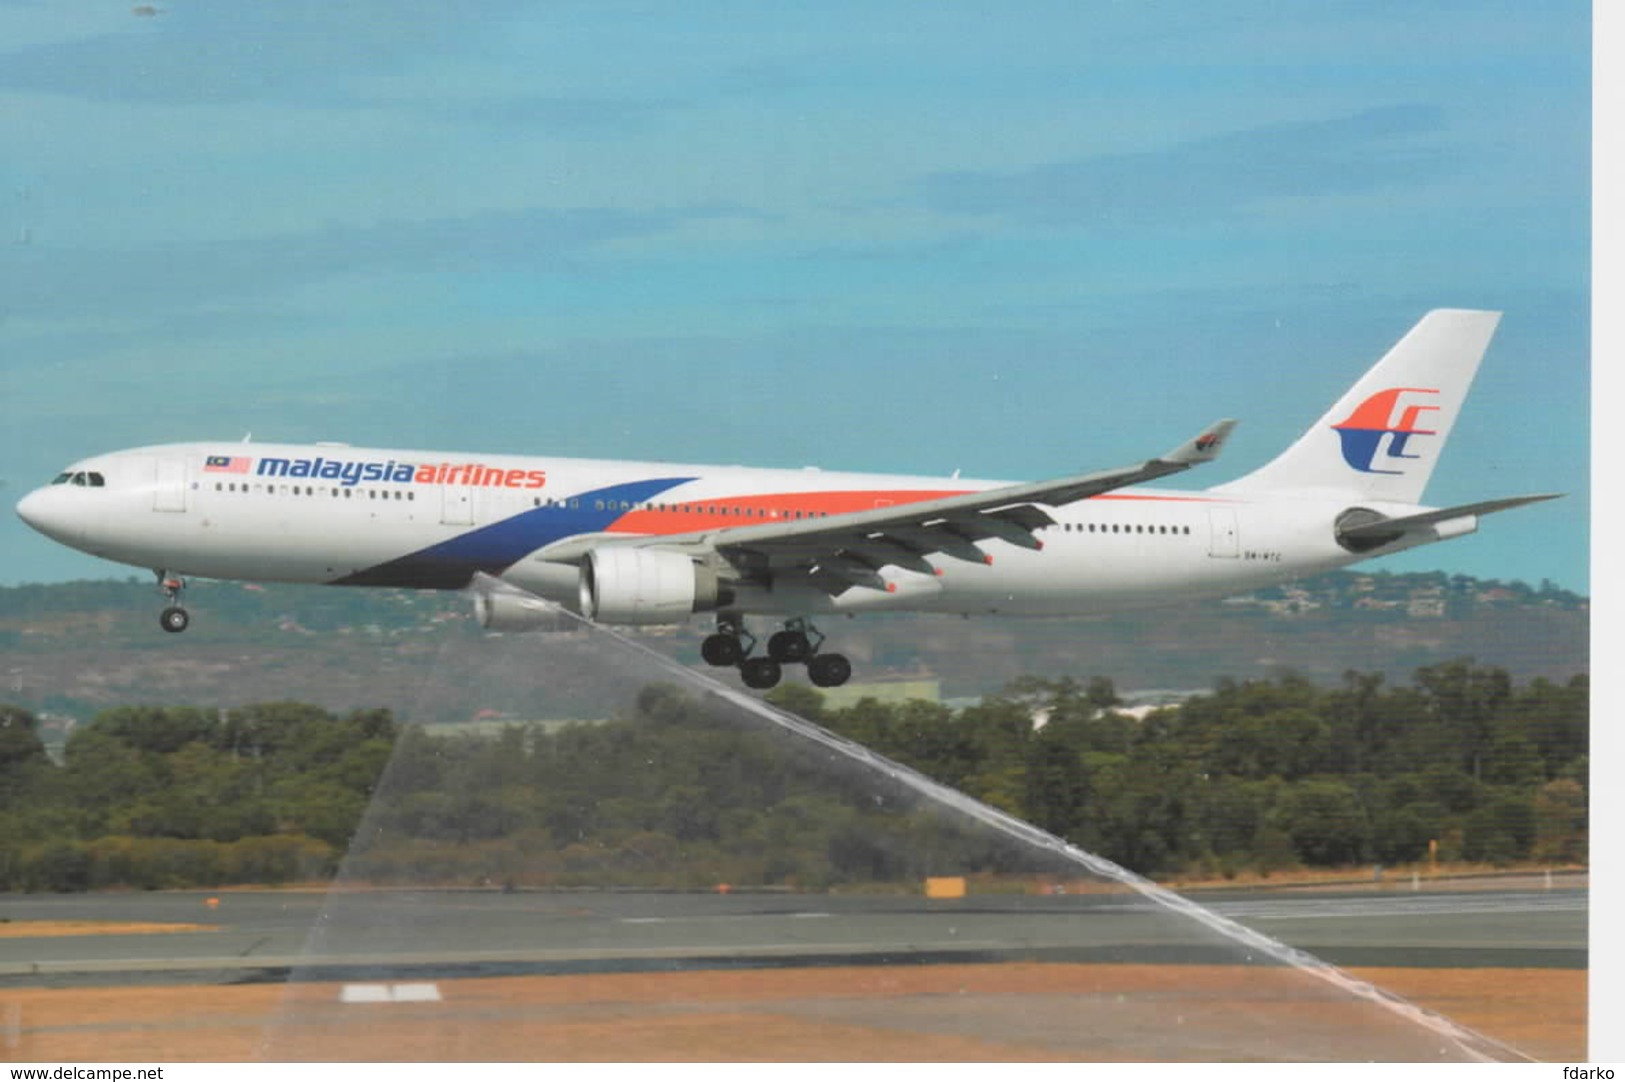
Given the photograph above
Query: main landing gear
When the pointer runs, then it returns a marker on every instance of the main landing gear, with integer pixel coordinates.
(174, 618)
(797, 644)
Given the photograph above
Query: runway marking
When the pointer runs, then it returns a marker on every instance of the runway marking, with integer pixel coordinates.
(420, 992)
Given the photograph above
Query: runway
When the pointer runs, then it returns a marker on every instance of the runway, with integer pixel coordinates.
(306, 936)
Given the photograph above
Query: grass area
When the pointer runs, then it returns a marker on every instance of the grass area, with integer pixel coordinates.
(1397, 876)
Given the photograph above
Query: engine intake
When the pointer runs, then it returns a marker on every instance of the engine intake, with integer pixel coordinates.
(647, 586)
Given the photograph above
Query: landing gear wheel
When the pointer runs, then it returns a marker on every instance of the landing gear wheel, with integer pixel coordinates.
(760, 673)
(722, 649)
(828, 670)
(788, 647)
(174, 618)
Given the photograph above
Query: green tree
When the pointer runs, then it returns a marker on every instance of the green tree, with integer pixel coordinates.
(1500, 831)
(158, 729)
(1325, 821)
(1559, 810)
(22, 754)
(1467, 699)
(798, 699)
(1056, 781)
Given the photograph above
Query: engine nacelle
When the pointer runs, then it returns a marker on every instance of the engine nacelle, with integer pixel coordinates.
(519, 611)
(623, 585)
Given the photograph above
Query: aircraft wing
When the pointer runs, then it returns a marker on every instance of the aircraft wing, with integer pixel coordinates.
(848, 549)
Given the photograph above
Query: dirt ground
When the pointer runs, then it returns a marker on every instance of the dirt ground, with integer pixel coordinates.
(1009, 1012)
(42, 929)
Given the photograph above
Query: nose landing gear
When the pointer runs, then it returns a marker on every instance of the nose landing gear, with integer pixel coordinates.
(797, 644)
(174, 618)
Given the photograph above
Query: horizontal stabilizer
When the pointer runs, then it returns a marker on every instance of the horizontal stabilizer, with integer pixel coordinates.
(1380, 531)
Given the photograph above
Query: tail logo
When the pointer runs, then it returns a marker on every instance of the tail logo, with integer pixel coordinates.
(1363, 430)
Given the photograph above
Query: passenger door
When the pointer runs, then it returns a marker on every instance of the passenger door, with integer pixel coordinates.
(169, 487)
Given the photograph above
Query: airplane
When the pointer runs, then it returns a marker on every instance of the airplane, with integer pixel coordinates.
(646, 543)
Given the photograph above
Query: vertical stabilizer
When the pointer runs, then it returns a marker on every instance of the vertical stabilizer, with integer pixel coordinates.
(1383, 438)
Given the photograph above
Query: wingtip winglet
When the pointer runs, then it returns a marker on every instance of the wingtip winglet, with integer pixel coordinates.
(1204, 447)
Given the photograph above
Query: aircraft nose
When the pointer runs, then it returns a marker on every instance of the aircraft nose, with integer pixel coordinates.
(45, 510)
(31, 508)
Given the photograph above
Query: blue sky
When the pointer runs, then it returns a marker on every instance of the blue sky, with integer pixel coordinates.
(1015, 239)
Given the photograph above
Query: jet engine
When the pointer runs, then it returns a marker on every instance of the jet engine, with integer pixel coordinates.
(624, 585)
(515, 610)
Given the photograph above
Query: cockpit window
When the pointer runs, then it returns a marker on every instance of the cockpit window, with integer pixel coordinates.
(83, 478)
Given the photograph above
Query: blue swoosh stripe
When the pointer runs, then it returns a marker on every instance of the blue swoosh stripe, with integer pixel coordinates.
(493, 549)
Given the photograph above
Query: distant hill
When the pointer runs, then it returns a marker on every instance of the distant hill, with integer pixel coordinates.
(74, 648)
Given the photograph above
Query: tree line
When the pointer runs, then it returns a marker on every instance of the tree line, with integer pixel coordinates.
(1270, 774)
(688, 791)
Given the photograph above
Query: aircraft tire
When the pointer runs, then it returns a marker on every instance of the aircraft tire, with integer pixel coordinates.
(722, 650)
(760, 673)
(829, 670)
(788, 647)
(174, 619)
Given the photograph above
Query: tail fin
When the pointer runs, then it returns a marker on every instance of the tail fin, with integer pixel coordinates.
(1383, 438)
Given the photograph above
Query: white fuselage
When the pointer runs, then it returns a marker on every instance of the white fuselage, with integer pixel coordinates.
(353, 516)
